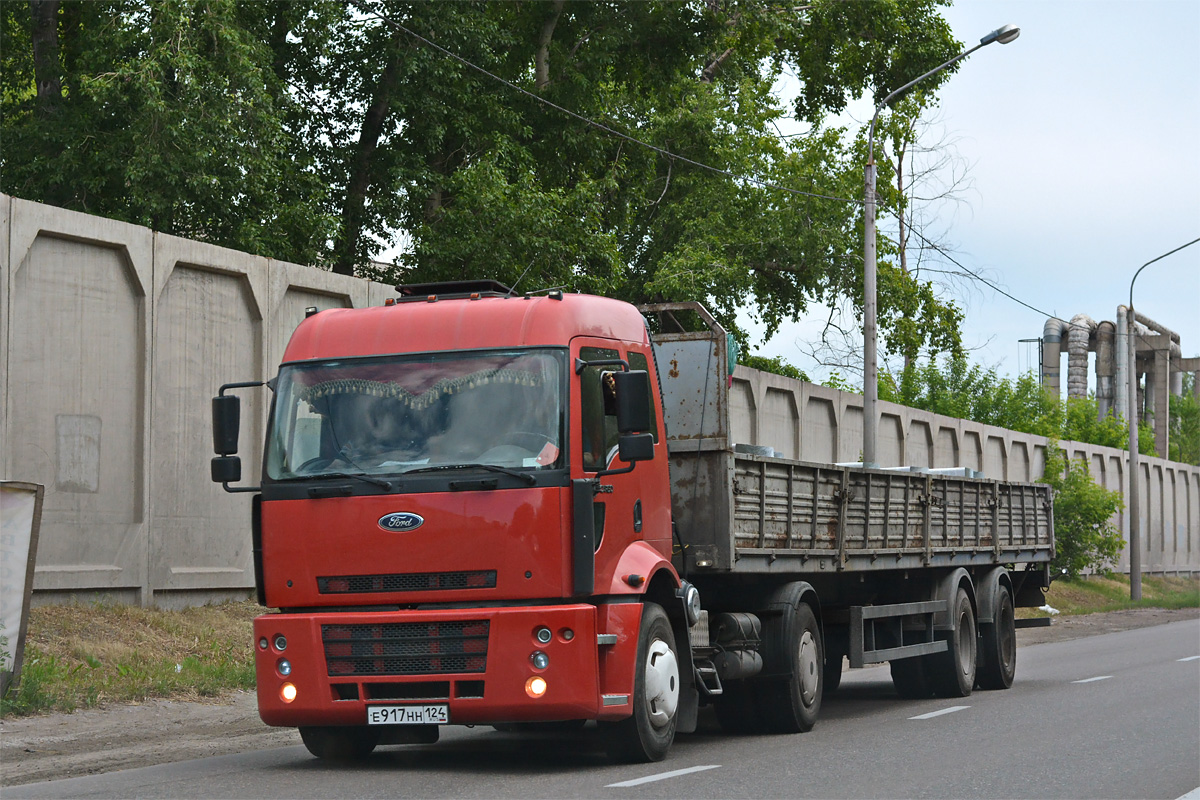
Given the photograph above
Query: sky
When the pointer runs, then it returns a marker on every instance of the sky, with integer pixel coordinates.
(1083, 144)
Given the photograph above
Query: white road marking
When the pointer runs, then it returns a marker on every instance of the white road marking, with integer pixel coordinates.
(1194, 794)
(662, 776)
(1189, 658)
(1093, 680)
(933, 714)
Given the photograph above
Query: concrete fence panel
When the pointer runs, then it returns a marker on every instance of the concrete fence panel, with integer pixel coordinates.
(79, 324)
(114, 338)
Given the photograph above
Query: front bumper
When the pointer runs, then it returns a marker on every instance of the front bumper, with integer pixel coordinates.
(475, 660)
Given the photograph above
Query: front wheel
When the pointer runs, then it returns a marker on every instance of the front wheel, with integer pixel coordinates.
(647, 735)
(340, 743)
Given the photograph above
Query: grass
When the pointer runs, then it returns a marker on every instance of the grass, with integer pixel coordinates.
(86, 655)
(1096, 593)
(82, 656)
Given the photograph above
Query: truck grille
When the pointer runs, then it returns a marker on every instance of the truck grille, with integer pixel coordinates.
(406, 648)
(414, 582)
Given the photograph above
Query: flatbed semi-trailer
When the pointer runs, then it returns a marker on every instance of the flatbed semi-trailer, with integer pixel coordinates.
(477, 507)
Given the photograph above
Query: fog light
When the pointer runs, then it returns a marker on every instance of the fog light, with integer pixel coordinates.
(534, 687)
(285, 667)
(543, 635)
(280, 642)
(287, 692)
(540, 659)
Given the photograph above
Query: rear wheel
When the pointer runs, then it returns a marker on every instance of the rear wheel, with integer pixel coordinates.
(340, 743)
(952, 673)
(648, 734)
(998, 645)
(792, 647)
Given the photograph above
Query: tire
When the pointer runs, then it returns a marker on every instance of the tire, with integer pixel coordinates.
(998, 645)
(340, 743)
(910, 679)
(647, 734)
(952, 673)
(792, 647)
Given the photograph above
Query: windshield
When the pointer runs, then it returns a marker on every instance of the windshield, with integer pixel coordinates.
(394, 414)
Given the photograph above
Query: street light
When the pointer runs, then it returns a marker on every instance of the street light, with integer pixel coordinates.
(1003, 35)
(1135, 510)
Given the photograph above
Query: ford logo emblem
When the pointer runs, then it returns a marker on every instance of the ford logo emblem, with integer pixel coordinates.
(401, 521)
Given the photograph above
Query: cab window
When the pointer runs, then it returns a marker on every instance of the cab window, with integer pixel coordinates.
(598, 401)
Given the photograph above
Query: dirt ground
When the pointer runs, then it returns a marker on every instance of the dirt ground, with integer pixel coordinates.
(118, 737)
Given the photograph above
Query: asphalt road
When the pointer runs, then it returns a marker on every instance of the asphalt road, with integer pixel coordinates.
(1115, 715)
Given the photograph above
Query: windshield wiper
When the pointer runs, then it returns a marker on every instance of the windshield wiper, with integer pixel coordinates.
(380, 482)
(525, 476)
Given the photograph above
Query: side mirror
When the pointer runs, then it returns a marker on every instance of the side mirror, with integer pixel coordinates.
(226, 469)
(226, 422)
(633, 403)
(632, 447)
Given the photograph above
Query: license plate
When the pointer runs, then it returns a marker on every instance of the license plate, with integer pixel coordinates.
(408, 715)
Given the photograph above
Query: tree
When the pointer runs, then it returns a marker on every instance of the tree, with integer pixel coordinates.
(318, 130)
(1184, 441)
(1084, 536)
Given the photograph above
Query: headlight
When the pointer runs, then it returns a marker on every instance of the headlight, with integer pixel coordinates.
(287, 692)
(280, 642)
(536, 686)
(285, 667)
(540, 659)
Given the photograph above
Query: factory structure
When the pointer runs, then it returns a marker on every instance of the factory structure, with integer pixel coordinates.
(1155, 362)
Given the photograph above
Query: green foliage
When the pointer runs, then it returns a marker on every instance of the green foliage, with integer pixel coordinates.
(1084, 536)
(314, 131)
(1184, 441)
(957, 388)
(774, 365)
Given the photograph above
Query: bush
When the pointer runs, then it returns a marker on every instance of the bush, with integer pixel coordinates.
(1084, 535)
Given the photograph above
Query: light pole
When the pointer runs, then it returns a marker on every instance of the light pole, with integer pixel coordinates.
(1135, 517)
(1135, 523)
(1004, 35)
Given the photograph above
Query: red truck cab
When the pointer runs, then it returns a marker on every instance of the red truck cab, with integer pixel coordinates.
(465, 517)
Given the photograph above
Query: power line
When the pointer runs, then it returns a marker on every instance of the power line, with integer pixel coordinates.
(601, 126)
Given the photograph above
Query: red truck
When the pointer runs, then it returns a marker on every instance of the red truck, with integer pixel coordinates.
(483, 508)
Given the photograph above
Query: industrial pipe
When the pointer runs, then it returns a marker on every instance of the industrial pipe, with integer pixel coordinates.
(1122, 378)
(1078, 340)
(1105, 366)
(1052, 333)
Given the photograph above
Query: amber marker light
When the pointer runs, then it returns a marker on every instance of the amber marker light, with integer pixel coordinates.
(287, 692)
(535, 687)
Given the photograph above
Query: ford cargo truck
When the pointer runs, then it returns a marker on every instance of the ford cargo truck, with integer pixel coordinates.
(478, 507)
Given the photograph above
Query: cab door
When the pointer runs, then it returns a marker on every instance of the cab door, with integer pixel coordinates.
(627, 507)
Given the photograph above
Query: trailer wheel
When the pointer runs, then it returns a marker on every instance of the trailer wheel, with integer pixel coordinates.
(910, 679)
(792, 646)
(340, 743)
(648, 734)
(998, 645)
(952, 673)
